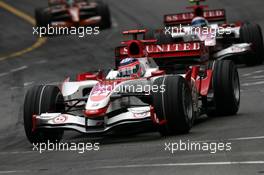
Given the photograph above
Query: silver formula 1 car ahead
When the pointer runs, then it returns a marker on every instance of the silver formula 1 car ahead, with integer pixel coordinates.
(212, 15)
(230, 33)
(138, 91)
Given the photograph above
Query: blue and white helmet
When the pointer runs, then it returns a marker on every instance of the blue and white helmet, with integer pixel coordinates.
(127, 61)
(199, 22)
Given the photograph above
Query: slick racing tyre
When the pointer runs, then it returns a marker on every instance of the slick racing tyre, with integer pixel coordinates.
(104, 12)
(173, 106)
(251, 33)
(43, 18)
(41, 99)
(226, 89)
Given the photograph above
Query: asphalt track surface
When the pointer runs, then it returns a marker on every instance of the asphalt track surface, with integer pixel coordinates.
(136, 154)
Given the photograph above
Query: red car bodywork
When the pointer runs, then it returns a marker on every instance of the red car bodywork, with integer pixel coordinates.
(196, 54)
(71, 15)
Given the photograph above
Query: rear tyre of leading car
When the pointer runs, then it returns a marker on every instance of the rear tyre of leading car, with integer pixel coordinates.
(42, 17)
(41, 99)
(226, 89)
(173, 106)
(104, 12)
(252, 33)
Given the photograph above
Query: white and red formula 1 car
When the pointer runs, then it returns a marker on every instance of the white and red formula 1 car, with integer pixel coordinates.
(140, 92)
(74, 13)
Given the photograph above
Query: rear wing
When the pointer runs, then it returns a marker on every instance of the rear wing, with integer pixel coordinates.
(217, 15)
(137, 34)
(181, 53)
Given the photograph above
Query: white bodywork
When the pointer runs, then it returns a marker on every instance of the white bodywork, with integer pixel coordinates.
(234, 49)
(210, 36)
(211, 32)
(79, 122)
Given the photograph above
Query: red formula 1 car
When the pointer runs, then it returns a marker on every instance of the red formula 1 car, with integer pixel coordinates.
(145, 88)
(67, 13)
(209, 81)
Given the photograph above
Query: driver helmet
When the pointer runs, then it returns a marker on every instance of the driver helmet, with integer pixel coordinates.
(131, 67)
(199, 22)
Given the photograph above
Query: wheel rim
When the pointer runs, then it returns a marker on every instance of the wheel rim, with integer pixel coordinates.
(236, 87)
(188, 106)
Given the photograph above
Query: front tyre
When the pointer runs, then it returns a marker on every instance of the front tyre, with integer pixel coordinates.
(174, 106)
(41, 99)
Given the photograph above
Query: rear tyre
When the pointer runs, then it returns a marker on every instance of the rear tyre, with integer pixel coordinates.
(104, 12)
(226, 89)
(41, 99)
(173, 107)
(43, 18)
(251, 33)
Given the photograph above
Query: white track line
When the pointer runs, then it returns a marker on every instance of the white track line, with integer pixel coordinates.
(184, 164)
(21, 68)
(4, 74)
(253, 84)
(252, 73)
(26, 84)
(13, 70)
(40, 62)
(235, 139)
(15, 171)
(18, 69)
(17, 152)
(157, 165)
(257, 76)
(247, 138)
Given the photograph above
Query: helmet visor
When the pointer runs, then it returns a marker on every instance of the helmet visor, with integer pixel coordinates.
(127, 71)
(199, 23)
